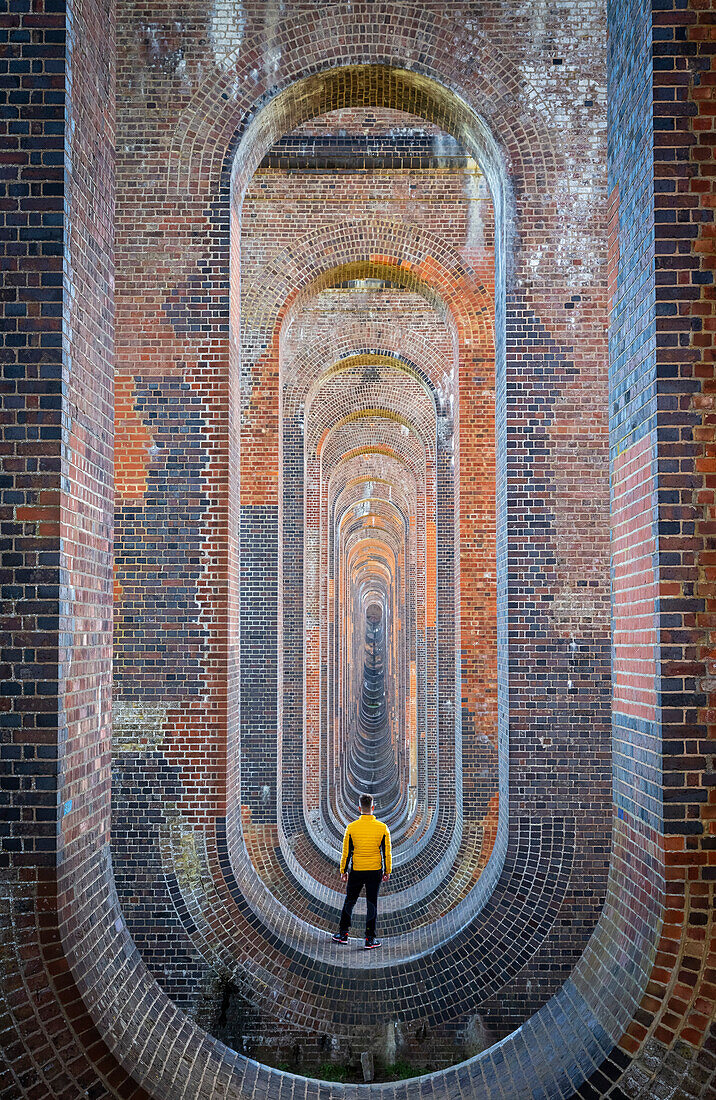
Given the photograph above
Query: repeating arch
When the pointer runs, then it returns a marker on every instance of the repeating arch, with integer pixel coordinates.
(201, 175)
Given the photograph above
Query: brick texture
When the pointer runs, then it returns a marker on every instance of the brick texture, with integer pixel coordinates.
(410, 341)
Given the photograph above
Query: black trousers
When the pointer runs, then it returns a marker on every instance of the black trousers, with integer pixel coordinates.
(356, 881)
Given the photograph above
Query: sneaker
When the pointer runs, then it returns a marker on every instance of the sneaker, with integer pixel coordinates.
(372, 943)
(340, 937)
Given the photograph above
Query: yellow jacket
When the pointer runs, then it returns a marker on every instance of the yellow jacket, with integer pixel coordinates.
(366, 843)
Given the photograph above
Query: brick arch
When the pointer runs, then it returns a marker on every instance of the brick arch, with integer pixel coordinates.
(378, 248)
(307, 365)
(365, 345)
(341, 365)
(225, 930)
(370, 524)
(385, 466)
(382, 426)
(475, 836)
(444, 281)
(437, 84)
(348, 484)
(336, 440)
(557, 1050)
(371, 248)
(448, 1077)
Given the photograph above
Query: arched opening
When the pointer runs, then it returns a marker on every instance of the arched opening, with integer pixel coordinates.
(358, 528)
(337, 415)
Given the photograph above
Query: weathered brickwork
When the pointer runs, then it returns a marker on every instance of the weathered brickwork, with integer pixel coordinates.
(281, 206)
(391, 351)
(57, 176)
(663, 374)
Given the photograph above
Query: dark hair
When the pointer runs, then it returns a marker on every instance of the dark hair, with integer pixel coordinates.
(366, 801)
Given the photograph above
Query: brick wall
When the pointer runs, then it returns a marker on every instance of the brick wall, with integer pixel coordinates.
(57, 212)
(661, 64)
(628, 1015)
(555, 581)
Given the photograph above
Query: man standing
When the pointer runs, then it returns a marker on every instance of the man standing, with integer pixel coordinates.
(366, 848)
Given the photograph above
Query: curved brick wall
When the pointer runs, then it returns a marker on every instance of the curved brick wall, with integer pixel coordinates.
(610, 976)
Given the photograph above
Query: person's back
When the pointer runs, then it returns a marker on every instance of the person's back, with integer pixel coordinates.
(367, 851)
(365, 842)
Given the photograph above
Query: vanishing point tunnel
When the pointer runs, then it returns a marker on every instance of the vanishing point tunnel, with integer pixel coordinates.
(358, 436)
